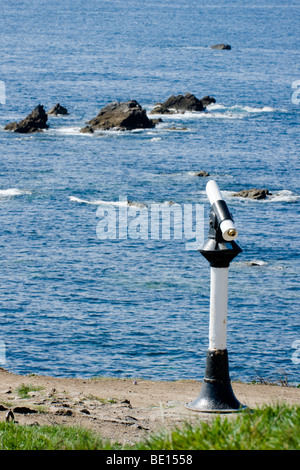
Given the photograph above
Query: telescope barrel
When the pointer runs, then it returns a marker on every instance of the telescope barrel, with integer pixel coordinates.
(213, 192)
(226, 224)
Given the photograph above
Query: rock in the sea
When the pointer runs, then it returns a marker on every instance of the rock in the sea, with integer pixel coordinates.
(87, 130)
(202, 173)
(182, 103)
(136, 204)
(174, 128)
(36, 121)
(253, 193)
(123, 116)
(207, 100)
(255, 263)
(57, 110)
(221, 47)
(160, 109)
(179, 103)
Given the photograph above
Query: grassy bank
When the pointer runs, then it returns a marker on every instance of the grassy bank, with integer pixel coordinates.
(267, 428)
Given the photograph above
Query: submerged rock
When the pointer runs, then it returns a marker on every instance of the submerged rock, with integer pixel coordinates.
(123, 116)
(136, 204)
(255, 263)
(253, 193)
(202, 173)
(221, 47)
(57, 110)
(182, 103)
(36, 121)
(174, 128)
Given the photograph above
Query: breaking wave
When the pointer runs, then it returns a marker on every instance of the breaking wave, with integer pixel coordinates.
(284, 196)
(11, 192)
(220, 111)
(100, 202)
(120, 203)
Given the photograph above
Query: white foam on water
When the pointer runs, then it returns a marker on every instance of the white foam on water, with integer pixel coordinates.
(214, 106)
(125, 203)
(237, 107)
(264, 109)
(256, 262)
(228, 194)
(100, 202)
(284, 196)
(75, 131)
(218, 111)
(68, 130)
(11, 192)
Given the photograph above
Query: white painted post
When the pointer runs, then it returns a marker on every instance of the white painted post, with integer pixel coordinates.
(218, 308)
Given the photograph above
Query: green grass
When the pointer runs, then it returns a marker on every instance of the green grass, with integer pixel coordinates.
(23, 390)
(267, 428)
(16, 437)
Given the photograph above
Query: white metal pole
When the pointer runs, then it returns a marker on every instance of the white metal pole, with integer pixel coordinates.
(218, 308)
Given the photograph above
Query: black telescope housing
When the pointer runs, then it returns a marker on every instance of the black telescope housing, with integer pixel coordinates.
(216, 250)
(221, 211)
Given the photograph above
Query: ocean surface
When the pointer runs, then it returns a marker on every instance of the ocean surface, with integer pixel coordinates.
(74, 305)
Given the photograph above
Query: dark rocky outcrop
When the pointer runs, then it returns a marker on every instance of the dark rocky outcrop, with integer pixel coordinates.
(123, 116)
(161, 109)
(221, 47)
(182, 103)
(207, 100)
(36, 121)
(57, 110)
(253, 193)
(87, 130)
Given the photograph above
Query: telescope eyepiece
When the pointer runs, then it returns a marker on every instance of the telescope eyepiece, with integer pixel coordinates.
(232, 232)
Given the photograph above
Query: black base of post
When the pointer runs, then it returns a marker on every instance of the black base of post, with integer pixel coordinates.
(216, 394)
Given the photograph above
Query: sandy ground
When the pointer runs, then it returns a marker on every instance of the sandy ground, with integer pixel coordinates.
(121, 410)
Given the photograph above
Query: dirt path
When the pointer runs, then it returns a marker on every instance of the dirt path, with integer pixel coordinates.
(122, 410)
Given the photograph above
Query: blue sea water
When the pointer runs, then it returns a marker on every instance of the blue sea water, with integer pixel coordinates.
(74, 305)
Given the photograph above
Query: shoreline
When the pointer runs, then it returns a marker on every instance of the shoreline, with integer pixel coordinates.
(120, 410)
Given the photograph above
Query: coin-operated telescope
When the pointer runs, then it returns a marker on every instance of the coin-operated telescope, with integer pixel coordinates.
(220, 248)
